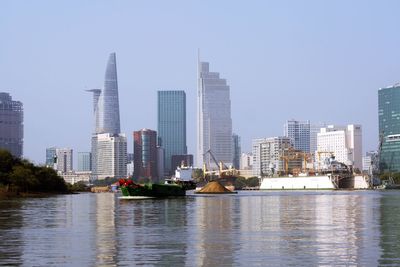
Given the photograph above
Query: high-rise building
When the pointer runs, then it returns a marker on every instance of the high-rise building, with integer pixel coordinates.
(145, 154)
(315, 128)
(64, 160)
(171, 125)
(267, 156)
(111, 156)
(344, 142)
(369, 162)
(246, 161)
(236, 151)
(299, 134)
(11, 125)
(389, 128)
(214, 123)
(51, 156)
(84, 161)
(106, 119)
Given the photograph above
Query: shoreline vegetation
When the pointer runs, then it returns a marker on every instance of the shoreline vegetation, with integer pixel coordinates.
(21, 178)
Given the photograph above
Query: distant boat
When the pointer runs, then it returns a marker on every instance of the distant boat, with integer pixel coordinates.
(131, 189)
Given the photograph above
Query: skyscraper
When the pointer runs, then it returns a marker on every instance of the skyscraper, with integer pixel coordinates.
(299, 134)
(236, 151)
(145, 154)
(107, 121)
(11, 125)
(214, 123)
(51, 156)
(108, 103)
(64, 160)
(171, 125)
(389, 128)
(84, 161)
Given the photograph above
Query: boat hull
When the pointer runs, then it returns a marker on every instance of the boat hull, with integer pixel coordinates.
(298, 183)
(154, 190)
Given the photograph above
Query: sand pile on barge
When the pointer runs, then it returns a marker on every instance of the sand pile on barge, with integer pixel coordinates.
(214, 187)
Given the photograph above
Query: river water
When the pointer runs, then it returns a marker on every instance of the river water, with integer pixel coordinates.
(280, 228)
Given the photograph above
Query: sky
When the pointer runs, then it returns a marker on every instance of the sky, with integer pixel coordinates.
(322, 61)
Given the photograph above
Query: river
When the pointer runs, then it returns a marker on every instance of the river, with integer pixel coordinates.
(279, 228)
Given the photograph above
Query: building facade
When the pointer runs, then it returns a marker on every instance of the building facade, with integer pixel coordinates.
(171, 125)
(236, 151)
(145, 154)
(268, 156)
(299, 134)
(214, 123)
(111, 156)
(315, 128)
(11, 125)
(51, 156)
(344, 142)
(64, 160)
(246, 161)
(389, 128)
(84, 161)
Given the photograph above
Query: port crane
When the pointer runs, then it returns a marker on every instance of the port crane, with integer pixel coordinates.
(222, 171)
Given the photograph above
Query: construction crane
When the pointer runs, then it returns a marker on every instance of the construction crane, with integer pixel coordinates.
(222, 168)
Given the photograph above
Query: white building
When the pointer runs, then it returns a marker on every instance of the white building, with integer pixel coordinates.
(369, 161)
(74, 177)
(246, 161)
(344, 142)
(214, 123)
(267, 155)
(63, 162)
(111, 156)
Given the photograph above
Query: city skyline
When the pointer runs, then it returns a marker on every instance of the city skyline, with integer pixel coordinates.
(294, 53)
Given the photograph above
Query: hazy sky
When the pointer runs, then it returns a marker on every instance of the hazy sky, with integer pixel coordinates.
(322, 61)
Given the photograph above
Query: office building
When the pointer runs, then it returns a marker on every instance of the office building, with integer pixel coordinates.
(171, 126)
(343, 142)
(51, 156)
(11, 125)
(64, 160)
(236, 151)
(299, 134)
(214, 123)
(84, 161)
(369, 162)
(111, 156)
(145, 154)
(389, 128)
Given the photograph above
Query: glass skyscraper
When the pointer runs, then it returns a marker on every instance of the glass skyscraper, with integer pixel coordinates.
(84, 161)
(11, 125)
(214, 123)
(145, 154)
(389, 128)
(299, 134)
(171, 125)
(107, 121)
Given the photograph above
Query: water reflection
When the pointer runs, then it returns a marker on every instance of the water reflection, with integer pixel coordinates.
(11, 222)
(105, 244)
(251, 228)
(390, 225)
(153, 232)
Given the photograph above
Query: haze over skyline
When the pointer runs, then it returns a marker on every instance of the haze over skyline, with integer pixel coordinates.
(322, 61)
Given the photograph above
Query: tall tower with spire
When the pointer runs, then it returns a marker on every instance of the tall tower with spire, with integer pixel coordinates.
(108, 144)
